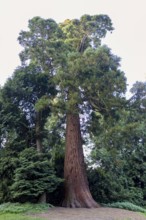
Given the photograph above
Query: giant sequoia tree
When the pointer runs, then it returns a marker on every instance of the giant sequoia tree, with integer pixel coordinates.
(87, 78)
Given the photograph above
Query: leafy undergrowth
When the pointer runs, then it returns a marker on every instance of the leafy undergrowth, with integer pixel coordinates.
(127, 206)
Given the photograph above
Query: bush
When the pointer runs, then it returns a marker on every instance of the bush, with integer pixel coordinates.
(56, 197)
(8, 164)
(33, 177)
(107, 187)
(128, 206)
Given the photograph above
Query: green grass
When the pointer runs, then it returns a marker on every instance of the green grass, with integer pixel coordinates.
(17, 211)
(144, 214)
(10, 216)
(23, 208)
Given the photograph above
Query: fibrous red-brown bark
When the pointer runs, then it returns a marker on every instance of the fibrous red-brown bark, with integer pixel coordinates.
(77, 193)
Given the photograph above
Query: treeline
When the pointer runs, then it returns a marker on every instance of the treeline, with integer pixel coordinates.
(31, 138)
(65, 70)
(119, 151)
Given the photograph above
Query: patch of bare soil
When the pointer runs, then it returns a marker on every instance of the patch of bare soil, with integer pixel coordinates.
(60, 213)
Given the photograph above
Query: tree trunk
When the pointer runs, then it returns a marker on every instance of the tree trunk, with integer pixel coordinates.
(77, 193)
(38, 132)
(42, 198)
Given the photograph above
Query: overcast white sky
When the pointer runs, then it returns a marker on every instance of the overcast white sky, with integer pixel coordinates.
(127, 41)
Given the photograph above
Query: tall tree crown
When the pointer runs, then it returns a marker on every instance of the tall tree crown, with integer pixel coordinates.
(72, 52)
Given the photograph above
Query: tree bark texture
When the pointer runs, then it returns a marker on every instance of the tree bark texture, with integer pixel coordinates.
(77, 193)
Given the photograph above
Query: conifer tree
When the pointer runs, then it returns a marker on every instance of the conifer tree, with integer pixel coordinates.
(87, 78)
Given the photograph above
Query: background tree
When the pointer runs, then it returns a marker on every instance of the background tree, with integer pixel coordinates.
(119, 151)
(25, 99)
(29, 91)
(138, 110)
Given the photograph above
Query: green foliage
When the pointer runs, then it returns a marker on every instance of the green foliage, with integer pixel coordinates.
(28, 91)
(109, 186)
(120, 149)
(56, 196)
(61, 49)
(65, 68)
(33, 176)
(8, 164)
(121, 157)
(42, 103)
(127, 205)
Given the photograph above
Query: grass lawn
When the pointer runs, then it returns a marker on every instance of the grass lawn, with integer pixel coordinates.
(10, 216)
(16, 211)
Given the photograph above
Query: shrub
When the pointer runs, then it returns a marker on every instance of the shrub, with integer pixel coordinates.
(34, 176)
(127, 205)
(107, 187)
